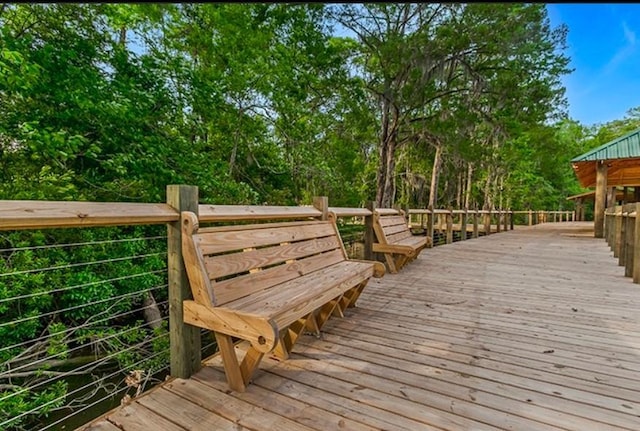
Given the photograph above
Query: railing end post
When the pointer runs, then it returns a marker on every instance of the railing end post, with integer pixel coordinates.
(185, 344)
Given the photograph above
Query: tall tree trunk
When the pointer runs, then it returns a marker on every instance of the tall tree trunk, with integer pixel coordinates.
(385, 184)
(383, 149)
(467, 194)
(488, 201)
(460, 187)
(435, 175)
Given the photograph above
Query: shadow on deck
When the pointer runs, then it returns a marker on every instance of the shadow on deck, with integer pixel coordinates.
(533, 329)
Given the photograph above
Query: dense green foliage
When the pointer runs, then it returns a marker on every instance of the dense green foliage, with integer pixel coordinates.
(449, 105)
(276, 103)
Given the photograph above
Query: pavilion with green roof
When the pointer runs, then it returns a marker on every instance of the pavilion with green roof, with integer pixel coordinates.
(616, 163)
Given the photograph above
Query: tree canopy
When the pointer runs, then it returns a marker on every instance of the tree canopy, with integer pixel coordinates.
(412, 104)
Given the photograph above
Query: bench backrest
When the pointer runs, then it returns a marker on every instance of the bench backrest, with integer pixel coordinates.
(391, 228)
(229, 262)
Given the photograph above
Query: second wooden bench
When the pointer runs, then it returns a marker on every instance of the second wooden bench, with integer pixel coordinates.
(395, 240)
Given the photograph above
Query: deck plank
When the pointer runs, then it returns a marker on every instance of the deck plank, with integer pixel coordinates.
(532, 329)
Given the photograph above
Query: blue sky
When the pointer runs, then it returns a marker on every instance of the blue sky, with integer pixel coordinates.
(605, 53)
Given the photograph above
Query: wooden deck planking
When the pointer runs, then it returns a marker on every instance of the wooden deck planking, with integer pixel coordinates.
(532, 329)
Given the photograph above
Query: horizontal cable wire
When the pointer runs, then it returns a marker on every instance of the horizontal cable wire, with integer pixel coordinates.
(76, 265)
(108, 395)
(75, 413)
(78, 244)
(68, 288)
(74, 349)
(90, 365)
(78, 389)
(87, 324)
(51, 313)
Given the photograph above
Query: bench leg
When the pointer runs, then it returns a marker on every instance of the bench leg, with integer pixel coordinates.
(352, 295)
(326, 311)
(289, 338)
(312, 325)
(238, 375)
(402, 260)
(391, 264)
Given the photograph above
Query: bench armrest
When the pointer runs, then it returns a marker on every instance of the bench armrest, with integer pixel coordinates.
(260, 332)
(378, 267)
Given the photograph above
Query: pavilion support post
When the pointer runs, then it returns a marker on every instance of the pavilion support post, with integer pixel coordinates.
(636, 194)
(601, 194)
(611, 197)
(579, 209)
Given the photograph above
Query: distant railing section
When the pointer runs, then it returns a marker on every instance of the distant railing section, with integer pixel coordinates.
(85, 312)
(622, 233)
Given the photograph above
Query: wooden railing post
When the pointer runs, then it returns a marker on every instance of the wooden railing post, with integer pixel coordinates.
(630, 234)
(506, 220)
(449, 219)
(476, 232)
(511, 221)
(369, 235)
(184, 339)
(623, 233)
(430, 223)
(530, 218)
(499, 221)
(321, 203)
(463, 225)
(636, 245)
(487, 222)
(617, 239)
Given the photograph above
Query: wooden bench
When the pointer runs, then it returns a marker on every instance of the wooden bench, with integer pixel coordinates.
(265, 283)
(395, 240)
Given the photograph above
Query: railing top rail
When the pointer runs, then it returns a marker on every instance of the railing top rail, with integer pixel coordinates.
(350, 212)
(26, 214)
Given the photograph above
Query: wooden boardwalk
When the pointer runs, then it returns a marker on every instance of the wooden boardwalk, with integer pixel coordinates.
(532, 329)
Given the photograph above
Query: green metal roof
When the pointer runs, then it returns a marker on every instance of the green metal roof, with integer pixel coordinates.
(624, 147)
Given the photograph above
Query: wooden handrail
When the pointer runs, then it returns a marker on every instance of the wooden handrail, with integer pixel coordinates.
(350, 212)
(57, 214)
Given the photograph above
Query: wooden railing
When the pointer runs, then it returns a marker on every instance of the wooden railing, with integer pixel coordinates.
(622, 233)
(185, 341)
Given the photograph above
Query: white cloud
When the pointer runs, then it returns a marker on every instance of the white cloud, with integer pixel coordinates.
(629, 34)
(623, 53)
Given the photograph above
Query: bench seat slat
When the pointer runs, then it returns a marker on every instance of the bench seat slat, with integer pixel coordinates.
(414, 241)
(286, 302)
(249, 284)
(236, 263)
(231, 240)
